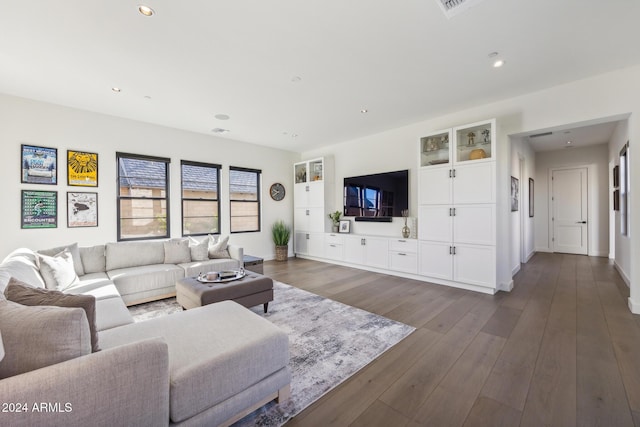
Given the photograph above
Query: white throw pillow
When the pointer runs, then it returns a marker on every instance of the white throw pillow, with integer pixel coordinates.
(218, 249)
(58, 271)
(199, 250)
(176, 251)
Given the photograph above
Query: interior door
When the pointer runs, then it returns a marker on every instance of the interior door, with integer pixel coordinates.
(569, 202)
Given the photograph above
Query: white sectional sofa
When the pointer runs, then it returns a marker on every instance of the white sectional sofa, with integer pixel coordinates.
(203, 367)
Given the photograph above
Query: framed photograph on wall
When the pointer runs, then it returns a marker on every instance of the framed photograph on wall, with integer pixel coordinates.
(530, 197)
(82, 209)
(39, 209)
(616, 200)
(39, 165)
(82, 168)
(616, 176)
(514, 194)
(345, 226)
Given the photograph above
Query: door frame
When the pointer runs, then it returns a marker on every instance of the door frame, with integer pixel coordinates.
(590, 195)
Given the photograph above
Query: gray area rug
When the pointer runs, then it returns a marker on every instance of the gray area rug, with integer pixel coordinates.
(329, 341)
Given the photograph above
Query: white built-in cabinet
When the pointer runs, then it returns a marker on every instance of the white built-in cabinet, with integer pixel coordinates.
(366, 250)
(457, 205)
(312, 189)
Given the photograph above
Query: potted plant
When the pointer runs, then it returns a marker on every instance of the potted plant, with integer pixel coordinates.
(335, 217)
(281, 234)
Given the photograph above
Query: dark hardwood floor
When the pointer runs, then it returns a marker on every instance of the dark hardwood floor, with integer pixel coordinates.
(561, 349)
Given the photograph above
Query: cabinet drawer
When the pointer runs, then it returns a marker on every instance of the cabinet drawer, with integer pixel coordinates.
(403, 245)
(404, 261)
(333, 251)
(334, 238)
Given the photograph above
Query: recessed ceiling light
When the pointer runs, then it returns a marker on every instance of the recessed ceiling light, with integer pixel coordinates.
(499, 63)
(568, 142)
(221, 117)
(116, 89)
(296, 79)
(364, 110)
(147, 97)
(145, 10)
(294, 135)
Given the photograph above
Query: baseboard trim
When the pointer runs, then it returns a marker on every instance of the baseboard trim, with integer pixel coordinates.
(531, 254)
(506, 287)
(548, 250)
(515, 270)
(622, 273)
(634, 306)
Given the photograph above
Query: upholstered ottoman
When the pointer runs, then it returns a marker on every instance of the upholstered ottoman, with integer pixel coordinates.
(251, 290)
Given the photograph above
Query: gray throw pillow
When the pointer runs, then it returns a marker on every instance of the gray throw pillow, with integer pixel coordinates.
(58, 271)
(35, 337)
(199, 250)
(176, 251)
(75, 254)
(25, 294)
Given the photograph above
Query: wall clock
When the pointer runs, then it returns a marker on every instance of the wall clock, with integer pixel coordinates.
(277, 191)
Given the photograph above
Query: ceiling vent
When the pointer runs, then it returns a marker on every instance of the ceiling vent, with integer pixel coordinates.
(538, 135)
(454, 7)
(219, 130)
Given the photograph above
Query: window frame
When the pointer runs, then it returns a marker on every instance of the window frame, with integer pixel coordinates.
(119, 197)
(215, 166)
(258, 200)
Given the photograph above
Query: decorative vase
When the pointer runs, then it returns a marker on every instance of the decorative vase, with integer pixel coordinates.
(406, 231)
(334, 228)
(282, 253)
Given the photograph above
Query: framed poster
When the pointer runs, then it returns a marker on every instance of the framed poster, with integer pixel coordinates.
(39, 209)
(345, 226)
(39, 165)
(82, 209)
(616, 176)
(82, 168)
(514, 194)
(530, 197)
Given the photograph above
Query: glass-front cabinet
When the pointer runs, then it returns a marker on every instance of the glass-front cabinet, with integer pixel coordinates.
(469, 143)
(434, 149)
(309, 171)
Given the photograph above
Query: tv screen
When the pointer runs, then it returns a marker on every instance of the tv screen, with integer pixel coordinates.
(381, 195)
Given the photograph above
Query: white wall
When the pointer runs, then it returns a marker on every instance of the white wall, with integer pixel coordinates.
(606, 96)
(522, 226)
(596, 159)
(622, 244)
(37, 123)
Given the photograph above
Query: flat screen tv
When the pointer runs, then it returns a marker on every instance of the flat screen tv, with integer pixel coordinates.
(376, 197)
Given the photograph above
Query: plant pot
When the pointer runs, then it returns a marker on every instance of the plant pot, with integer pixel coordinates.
(334, 228)
(282, 253)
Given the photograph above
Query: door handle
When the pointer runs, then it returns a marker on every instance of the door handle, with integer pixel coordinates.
(581, 222)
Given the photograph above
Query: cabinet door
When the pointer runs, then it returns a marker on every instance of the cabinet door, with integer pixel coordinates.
(474, 224)
(475, 265)
(317, 220)
(315, 194)
(474, 183)
(435, 186)
(300, 243)
(435, 223)
(301, 219)
(475, 142)
(376, 252)
(301, 195)
(354, 249)
(316, 244)
(435, 260)
(403, 261)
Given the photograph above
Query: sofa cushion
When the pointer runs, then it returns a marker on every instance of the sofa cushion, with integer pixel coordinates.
(35, 337)
(199, 250)
(1, 348)
(218, 248)
(145, 278)
(93, 259)
(22, 265)
(176, 251)
(24, 294)
(133, 254)
(203, 371)
(75, 254)
(58, 271)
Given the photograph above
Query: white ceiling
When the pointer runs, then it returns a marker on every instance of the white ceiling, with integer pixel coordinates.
(571, 136)
(404, 61)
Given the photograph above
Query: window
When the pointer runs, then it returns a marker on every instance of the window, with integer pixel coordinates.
(244, 194)
(200, 198)
(624, 190)
(143, 197)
